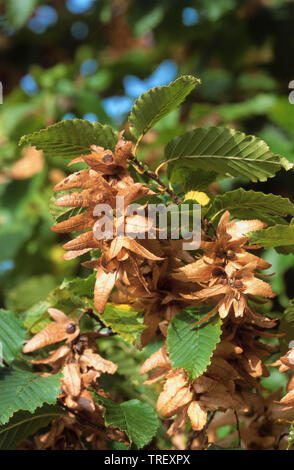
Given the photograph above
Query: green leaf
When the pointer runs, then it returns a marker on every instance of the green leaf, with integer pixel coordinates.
(287, 327)
(282, 114)
(30, 291)
(191, 347)
(251, 205)
(280, 264)
(70, 295)
(196, 179)
(24, 424)
(215, 10)
(125, 321)
(71, 138)
(149, 21)
(23, 390)
(224, 151)
(80, 287)
(73, 293)
(156, 103)
(273, 237)
(291, 436)
(275, 380)
(259, 104)
(12, 237)
(286, 250)
(114, 445)
(135, 418)
(12, 336)
(18, 12)
(277, 140)
(60, 213)
(36, 318)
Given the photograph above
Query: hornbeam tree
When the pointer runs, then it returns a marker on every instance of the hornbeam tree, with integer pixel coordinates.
(200, 322)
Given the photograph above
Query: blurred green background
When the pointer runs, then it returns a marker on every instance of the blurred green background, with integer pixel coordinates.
(91, 59)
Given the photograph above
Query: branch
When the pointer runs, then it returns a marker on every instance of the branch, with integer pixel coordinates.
(88, 311)
(238, 428)
(152, 175)
(195, 434)
(81, 419)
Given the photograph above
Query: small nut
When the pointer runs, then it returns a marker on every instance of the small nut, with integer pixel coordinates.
(108, 158)
(71, 328)
(231, 254)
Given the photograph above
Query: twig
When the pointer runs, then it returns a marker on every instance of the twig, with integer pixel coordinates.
(88, 311)
(152, 175)
(208, 225)
(238, 428)
(82, 420)
(277, 445)
(195, 434)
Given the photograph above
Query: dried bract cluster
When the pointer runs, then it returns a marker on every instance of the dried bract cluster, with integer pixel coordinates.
(78, 358)
(160, 278)
(225, 274)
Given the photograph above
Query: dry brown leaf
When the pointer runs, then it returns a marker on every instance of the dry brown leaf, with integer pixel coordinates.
(85, 402)
(179, 423)
(53, 333)
(54, 356)
(97, 362)
(253, 365)
(176, 381)
(172, 406)
(79, 222)
(58, 315)
(28, 165)
(242, 227)
(62, 329)
(71, 382)
(158, 359)
(83, 241)
(103, 287)
(197, 415)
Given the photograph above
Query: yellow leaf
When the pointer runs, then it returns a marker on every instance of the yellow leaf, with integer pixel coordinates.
(198, 196)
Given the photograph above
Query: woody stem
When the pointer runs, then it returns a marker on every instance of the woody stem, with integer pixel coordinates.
(238, 428)
(88, 311)
(195, 434)
(152, 175)
(81, 419)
